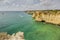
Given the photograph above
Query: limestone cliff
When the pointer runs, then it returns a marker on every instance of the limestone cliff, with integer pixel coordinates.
(17, 36)
(50, 16)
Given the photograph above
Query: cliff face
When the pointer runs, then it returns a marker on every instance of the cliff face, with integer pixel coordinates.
(17, 36)
(50, 16)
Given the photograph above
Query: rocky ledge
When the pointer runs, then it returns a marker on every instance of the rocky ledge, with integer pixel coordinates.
(49, 16)
(17, 36)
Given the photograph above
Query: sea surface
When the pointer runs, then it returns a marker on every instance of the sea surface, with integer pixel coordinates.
(15, 21)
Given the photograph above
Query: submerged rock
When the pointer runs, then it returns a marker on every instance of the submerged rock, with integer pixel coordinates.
(17, 36)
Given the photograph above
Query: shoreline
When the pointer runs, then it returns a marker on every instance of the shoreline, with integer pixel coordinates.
(14, 36)
(49, 16)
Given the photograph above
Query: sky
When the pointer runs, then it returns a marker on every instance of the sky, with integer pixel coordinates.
(23, 5)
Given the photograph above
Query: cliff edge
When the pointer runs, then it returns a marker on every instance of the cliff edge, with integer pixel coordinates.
(49, 16)
(17, 36)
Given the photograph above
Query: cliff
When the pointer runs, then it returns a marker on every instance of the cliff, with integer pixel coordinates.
(17, 36)
(49, 16)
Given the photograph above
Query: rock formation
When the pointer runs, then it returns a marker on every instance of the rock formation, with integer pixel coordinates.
(49, 16)
(17, 36)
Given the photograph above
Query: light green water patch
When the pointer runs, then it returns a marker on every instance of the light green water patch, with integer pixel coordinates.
(44, 31)
(33, 30)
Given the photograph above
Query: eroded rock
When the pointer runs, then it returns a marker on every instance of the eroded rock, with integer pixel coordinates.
(17, 36)
(50, 16)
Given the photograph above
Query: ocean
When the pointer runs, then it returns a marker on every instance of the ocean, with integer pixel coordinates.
(15, 21)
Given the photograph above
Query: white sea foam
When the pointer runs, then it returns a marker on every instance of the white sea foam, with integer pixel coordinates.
(21, 16)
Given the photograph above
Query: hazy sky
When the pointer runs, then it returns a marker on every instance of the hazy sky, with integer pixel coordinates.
(22, 5)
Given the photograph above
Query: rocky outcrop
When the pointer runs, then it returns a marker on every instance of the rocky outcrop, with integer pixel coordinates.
(17, 36)
(50, 16)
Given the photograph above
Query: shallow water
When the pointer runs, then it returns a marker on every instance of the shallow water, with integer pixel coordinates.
(14, 21)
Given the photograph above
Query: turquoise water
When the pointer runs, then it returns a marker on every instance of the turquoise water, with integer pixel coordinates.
(13, 22)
